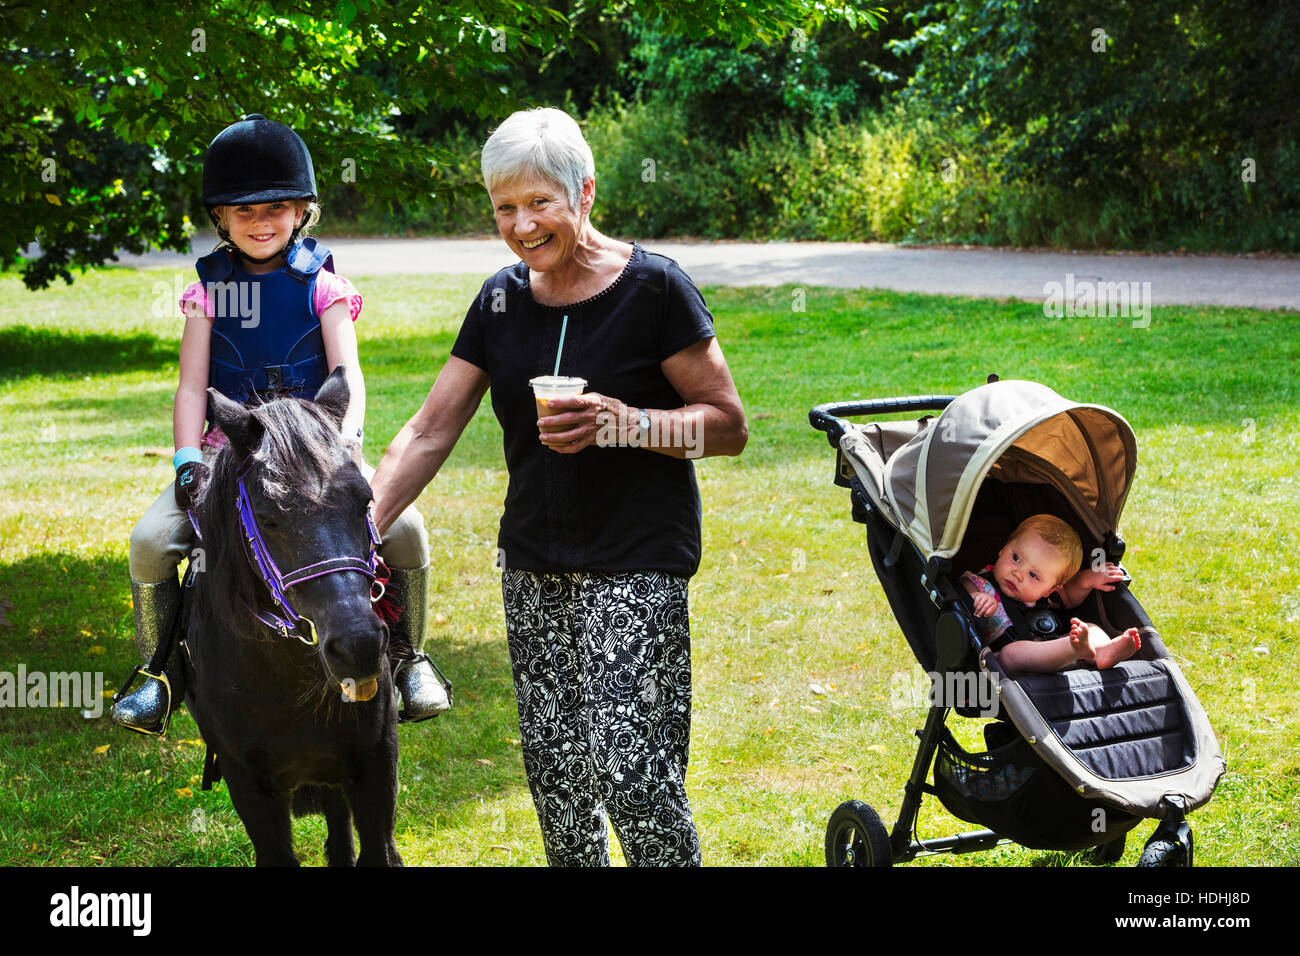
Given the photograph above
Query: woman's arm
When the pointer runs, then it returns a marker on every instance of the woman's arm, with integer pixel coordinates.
(424, 442)
(711, 423)
(340, 337)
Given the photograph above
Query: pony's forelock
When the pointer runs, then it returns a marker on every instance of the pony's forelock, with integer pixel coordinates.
(299, 451)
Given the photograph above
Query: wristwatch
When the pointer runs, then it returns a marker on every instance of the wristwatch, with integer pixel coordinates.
(643, 428)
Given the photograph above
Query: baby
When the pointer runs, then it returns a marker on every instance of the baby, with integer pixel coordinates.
(1041, 558)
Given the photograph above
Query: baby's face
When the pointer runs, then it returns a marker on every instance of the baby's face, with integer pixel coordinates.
(1028, 568)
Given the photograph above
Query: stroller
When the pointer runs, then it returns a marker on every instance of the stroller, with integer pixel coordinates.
(1074, 759)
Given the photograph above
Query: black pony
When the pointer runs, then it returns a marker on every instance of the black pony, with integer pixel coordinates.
(294, 726)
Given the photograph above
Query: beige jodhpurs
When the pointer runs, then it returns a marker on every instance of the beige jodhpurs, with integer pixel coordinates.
(164, 537)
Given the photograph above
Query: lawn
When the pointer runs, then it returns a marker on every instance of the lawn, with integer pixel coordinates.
(799, 665)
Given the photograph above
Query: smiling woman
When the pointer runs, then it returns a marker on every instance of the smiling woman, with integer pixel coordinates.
(601, 530)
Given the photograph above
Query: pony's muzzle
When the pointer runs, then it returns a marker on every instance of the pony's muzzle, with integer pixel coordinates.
(359, 692)
(356, 658)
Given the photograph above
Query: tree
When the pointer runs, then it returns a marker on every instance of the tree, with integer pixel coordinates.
(729, 94)
(1113, 95)
(108, 110)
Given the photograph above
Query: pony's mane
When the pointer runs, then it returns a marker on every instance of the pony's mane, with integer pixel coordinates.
(299, 451)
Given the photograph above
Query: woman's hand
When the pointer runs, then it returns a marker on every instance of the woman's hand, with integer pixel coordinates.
(575, 422)
(711, 422)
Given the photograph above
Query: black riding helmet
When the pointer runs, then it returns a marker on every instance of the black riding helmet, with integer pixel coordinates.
(256, 160)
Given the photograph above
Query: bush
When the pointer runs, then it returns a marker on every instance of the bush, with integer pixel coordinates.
(898, 175)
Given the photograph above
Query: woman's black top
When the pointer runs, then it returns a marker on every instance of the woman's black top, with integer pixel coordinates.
(605, 509)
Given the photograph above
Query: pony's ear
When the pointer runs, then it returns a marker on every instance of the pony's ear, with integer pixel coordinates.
(334, 395)
(235, 421)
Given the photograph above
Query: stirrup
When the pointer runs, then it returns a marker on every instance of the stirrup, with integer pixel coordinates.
(404, 716)
(156, 729)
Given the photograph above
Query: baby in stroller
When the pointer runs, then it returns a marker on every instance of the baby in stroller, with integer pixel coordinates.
(1041, 558)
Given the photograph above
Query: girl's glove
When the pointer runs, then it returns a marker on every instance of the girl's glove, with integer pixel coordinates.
(190, 478)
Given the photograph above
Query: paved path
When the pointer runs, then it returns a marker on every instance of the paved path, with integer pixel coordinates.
(1265, 283)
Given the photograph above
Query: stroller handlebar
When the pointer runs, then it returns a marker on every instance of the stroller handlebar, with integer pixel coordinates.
(830, 417)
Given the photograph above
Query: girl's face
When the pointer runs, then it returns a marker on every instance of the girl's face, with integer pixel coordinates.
(1028, 568)
(263, 229)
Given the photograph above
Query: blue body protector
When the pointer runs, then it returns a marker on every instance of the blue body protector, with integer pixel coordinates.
(266, 337)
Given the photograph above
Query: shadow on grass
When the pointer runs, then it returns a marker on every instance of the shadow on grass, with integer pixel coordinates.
(81, 791)
(28, 351)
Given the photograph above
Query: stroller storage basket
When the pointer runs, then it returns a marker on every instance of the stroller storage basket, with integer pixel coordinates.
(1012, 792)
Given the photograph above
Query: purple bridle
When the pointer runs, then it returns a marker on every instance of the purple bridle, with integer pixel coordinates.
(288, 621)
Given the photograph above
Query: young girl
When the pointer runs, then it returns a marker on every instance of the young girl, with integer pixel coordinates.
(267, 319)
(1042, 557)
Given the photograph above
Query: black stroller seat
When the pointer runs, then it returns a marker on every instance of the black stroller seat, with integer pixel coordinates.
(1125, 722)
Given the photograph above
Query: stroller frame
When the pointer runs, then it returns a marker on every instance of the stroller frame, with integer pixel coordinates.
(855, 834)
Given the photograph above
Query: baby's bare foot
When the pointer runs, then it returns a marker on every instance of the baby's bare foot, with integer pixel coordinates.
(1119, 649)
(1079, 639)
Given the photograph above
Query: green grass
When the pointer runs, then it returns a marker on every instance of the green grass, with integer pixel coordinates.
(785, 597)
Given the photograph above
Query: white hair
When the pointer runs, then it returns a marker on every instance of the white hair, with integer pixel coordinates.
(546, 143)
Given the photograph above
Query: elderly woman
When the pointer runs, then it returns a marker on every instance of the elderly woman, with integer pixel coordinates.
(601, 530)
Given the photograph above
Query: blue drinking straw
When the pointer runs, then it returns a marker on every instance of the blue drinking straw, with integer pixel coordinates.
(564, 327)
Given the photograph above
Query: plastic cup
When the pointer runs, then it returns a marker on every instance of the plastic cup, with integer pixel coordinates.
(546, 387)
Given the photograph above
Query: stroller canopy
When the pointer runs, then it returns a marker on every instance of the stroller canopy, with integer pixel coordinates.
(1016, 431)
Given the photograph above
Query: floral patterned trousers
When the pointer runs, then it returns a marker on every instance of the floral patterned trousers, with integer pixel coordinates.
(602, 670)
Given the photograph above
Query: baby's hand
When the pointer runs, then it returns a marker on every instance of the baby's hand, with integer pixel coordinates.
(1104, 579)
(985, 604)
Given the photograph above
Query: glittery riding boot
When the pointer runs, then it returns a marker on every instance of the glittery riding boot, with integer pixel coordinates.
(147, 708)
(425, 692)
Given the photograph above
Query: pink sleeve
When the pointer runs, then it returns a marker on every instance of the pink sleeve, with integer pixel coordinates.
(195, 292)
(330, 288)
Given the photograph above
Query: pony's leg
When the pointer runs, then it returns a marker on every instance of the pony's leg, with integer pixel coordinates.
(339, 848)
(373, 796)
(265, 815)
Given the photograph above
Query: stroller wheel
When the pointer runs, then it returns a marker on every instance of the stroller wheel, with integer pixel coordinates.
(1170, 845)
(1161, 853)
(856, 837)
